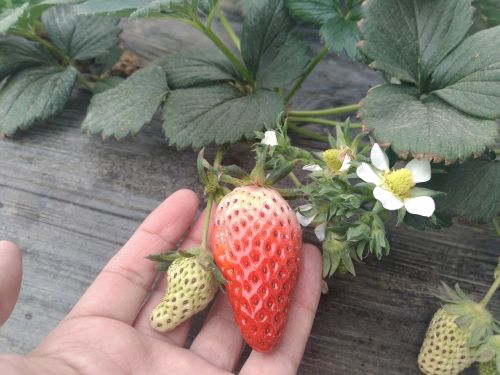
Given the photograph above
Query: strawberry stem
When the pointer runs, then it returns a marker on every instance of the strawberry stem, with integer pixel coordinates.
(258, 174)
(206, 222)
(490, 292)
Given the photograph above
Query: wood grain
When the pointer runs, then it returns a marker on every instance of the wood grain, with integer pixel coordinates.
(70, 201)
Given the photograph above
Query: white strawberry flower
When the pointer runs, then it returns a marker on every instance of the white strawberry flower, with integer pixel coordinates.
(305, 221)
(395, 188)
(302, 219)
(270, 138)
(312, 168)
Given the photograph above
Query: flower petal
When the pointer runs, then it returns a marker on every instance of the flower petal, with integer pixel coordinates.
(270, 138)
(388, 200)
(312, 168)
(304, 220)
(420, 170)
(346, 164)
(367, 174)
(305, 207)
(319, 231)
(379, 158)
(423, 206)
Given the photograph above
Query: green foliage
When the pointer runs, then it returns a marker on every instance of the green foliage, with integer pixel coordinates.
(184, 9)
(337, 20)
(450, 110)
(471, 189)
(407, 39)
(197, 68)
(396, 114)
(80, 37)
(39, 73)
(469, 77)
(271, 47)
(34, 94)
(124, 109)
(18, 53)
(199, 116)
(10, 16)
(487, 14)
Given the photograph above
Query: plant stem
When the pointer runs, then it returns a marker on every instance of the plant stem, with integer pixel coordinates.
(295, 180)
(486, 299)
(225, 50)
(326, 112)
(321, 121)
(309, 68)
(291, 193)
(307, 133)
(496, 225)
(219, 155)
(84, 82)
(55, 52)
(229, 29)
(206, 221)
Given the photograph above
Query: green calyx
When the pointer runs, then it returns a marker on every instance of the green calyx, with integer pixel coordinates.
(472, 317)
(488, 368)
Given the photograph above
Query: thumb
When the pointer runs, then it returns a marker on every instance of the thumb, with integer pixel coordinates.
(11, 270)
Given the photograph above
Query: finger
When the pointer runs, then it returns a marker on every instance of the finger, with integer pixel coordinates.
(219, 341)
(120, 289)
(179, 335)
(11, 271)
(286, 359)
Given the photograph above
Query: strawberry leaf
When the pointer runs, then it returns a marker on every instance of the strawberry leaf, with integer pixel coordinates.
(80, 37)
(337, 20)
(271, 47)
(469, 77)
(342, 35)
(34, 94)
(17, 53)
(315, 12)
(471, 190)
(408, 38)
(10, 16)
(123, 110)
(220, 113)
(195, 68)
(427, 125)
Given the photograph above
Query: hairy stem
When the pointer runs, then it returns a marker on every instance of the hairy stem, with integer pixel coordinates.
(295, 180)
(206, 221)
(86, 83)
(219, 155)
(229, 29)
(49, 46)
(291, 193)
(226, 51)
(321, 121)
(309, 68)
(484, 302)
(326, 112)
(307, 133)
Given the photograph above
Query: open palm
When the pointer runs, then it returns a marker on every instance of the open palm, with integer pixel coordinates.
(108, 331)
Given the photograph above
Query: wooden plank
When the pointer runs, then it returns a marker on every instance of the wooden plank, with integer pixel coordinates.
(70, 201)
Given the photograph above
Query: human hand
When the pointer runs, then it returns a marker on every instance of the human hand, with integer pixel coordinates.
(108, 332)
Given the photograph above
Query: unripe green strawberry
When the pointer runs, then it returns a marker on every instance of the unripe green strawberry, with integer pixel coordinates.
(256, 242)
(488, 368)
(445, 351)
(454, 334)
(191, 287)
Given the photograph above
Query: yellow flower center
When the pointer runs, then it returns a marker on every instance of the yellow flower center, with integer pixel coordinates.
(399, 182)
(332, 159)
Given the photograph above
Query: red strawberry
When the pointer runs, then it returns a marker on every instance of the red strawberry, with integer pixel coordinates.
(256, 242)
